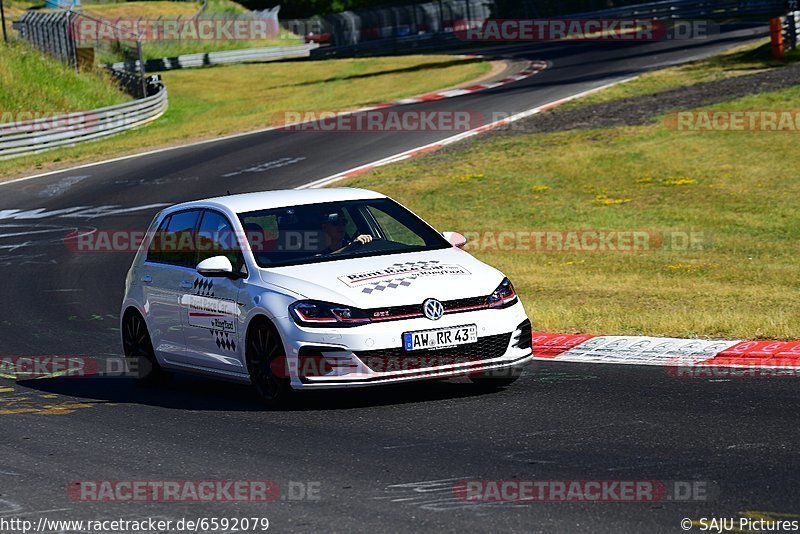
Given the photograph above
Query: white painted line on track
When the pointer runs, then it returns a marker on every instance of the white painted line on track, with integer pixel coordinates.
(413, 100)
(322, 182)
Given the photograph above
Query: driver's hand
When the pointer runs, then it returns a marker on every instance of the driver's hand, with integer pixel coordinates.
(363, 239)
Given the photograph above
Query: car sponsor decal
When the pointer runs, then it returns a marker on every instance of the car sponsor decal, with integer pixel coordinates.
(400, 275)
(217, 315)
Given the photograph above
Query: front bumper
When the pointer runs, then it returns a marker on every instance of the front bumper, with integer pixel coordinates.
(372, 354)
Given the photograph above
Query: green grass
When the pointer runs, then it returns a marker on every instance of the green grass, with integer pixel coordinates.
(736, 190)
(747, 59)
(172, 10)
(144, 9)
(16, 8)
(210, 102)
(30, 81)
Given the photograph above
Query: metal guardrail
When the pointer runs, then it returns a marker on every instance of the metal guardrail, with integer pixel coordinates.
(245, 55)
(33, 136)
(52, 33)
(390, 46)
(786, 28)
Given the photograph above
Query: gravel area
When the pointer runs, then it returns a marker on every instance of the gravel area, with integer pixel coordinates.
(641, 110)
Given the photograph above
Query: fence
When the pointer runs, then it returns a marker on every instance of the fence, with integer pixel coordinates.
(33, 136)
(57, 34)
(353, 27)
(50, 33)
(430, 25)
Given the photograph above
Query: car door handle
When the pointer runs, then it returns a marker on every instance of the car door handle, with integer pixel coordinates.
(187, 284)
(147, 279)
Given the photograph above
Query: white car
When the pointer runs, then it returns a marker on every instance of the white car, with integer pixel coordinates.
(318, 288)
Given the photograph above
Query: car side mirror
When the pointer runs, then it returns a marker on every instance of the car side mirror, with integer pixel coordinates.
(216, 266)
(455, 239)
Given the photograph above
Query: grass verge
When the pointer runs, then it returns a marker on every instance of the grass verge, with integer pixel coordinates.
(210, 102)
(735, 191)
(740, 61)
(173, 10)
(31, 81)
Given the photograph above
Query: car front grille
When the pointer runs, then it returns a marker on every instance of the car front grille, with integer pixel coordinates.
(415, 310)
(397, 359)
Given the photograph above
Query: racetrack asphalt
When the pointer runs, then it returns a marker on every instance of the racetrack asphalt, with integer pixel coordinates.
(384, 459)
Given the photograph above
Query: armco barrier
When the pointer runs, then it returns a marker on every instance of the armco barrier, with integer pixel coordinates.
(29, 137)
(390, 46)
(245, 55)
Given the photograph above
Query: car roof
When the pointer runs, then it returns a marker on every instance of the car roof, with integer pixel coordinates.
(264, 200)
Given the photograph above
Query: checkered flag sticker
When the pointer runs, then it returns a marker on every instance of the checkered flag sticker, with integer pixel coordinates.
(203, 287)
(224, 341)
(389, 284)
(412, 263)
(394, 283)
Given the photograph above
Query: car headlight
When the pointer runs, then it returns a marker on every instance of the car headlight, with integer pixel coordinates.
(503, 296)
(316, 313)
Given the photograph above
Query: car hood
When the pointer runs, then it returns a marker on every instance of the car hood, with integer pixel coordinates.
(391, 280)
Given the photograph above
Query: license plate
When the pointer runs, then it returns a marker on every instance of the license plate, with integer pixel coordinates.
(440, 338)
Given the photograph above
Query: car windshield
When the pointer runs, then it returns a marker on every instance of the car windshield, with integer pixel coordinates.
(330, 231)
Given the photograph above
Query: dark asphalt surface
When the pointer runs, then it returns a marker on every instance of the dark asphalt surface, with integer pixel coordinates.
(384, 459)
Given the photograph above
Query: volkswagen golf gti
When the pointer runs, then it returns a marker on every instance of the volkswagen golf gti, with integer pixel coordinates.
(318, 288)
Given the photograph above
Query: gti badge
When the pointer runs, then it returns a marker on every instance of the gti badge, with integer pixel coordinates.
(433, 309)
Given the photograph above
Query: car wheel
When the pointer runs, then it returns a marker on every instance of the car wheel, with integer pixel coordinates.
(266, 363)
(139, 351)
(496, 379)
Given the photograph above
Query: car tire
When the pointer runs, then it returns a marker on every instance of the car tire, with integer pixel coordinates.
(139, 352)
(496, 379)
(266, 363)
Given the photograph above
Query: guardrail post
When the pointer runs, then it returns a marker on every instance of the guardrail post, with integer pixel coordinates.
(776, 32)
(142, 71)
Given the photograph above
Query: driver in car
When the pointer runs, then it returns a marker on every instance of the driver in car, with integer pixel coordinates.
(336, 239)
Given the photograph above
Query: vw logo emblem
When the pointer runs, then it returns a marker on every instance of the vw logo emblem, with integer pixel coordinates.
(433, 309)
